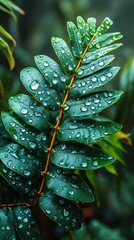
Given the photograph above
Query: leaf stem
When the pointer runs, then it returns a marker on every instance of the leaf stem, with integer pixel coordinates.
(72, 235)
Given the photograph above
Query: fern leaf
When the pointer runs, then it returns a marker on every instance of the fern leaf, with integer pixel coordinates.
(53, 132)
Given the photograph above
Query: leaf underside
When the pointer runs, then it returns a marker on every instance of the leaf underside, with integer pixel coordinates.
(51, 132)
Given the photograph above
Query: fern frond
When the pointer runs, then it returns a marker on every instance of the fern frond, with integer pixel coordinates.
(54, 130)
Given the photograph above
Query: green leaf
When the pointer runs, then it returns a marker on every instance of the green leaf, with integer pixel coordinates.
(105, 40)
(80, 157)
(93, 55)
(17, 159)
(38, 87)
(24, 134)
(92, 25)
(106, 24)
(60, 210)
(30, 111)
(88, 84)
(86, 131)
(52, 72)
(7, 52)
(83, 30)
(94, 66)
(25, 224)
(26, 188)
(75, 38)
(7, 230)
(69, 185)
(111, 169)
(7, 35)
(94, 103)
(64, 54)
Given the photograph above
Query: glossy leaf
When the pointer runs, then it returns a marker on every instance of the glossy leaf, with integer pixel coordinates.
(69, 185)
(88, 84)
(94, 103)
(61, 210)
(75, 38)
(38, 87)
(105, 40)
(86, 131)
(7, 52)
(77, 156)
(7, 230)
(93, 55)
(24, 134)
(16, 158)
(52, 72)
(84, 30)
(25, 224)
(106, 24)
(94, 66)
(92, 25)
(64, 54)
(30, 111)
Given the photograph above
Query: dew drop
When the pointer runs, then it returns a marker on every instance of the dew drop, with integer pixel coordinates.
(45, 64)
(84, 91)
(12, 124)
(9, 163)
(54, 81)
(24, 110)
(84, 109)
(73, 127)
(88, 103)
(65, 212)
(94, 79)
(34, 85)
(90, 87)
(96, 100)
(25, 220)
(20, 226)
(70, 67)
(103, 78)
(92, 67)
(84, 164)
(63, 147)
(92, 107)
(78, 135)
(26, 173)
(63, 79)
(80, 72)
(71, 192)
(109, 74)
(95, 163)
(83, 84)
(32, 144)
(101, 63)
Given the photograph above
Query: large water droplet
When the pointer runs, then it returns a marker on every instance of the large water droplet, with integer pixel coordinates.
(101, 63)
(54, 81)
(24, 110)
(84, 164)
(32, 145)
(80, 72)
(45, 64)
(84, 109)
(94, 79)
(103, 78)
(26, 173)
(95, 163)
(34, 85)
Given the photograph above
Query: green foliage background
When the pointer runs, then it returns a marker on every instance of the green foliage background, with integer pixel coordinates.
(45, 18)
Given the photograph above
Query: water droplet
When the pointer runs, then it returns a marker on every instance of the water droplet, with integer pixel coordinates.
(84, 91)
(45, 64)
(20, 226)
(106, 133)
(71, 192)
(47, 211)
(8, 227)
(26, 172)
(103, 78)
(78, 135)
(34, 85)
(25, 220)
(101, 63)
(32, 145)
(9, 163)
(87, 103)
(73, 127)
(12, 124)
(24, 110)
(90, 86)
(63, 51)
(84, 164)
(96, 100)
(92, 107)
(83, 84)
(94, 79)
(84, 109)
(70, 67)
(54, 81)
(109, 74)
(92, 67)
(80, 72)
(95, 163)
(63, 79)
(65, 212)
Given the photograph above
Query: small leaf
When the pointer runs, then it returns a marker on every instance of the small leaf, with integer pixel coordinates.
(86, 131)
(52, 72)
(30, 111)
(106, 24)
(105, 40)
(88, 84)
(24, 134)
(15, 158)
(94, 103)
(80, 157)
(69, 185)
(111, 169)
(60, 210)
(92, 25)
(7, 35)
(7, 230)
(93, 55)
(38, 87)
(94, 66)
(75, 39)
(84, 31)
(64, 54)
(25, 224)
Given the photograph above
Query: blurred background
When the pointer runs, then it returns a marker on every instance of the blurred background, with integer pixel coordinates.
(32, 32)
